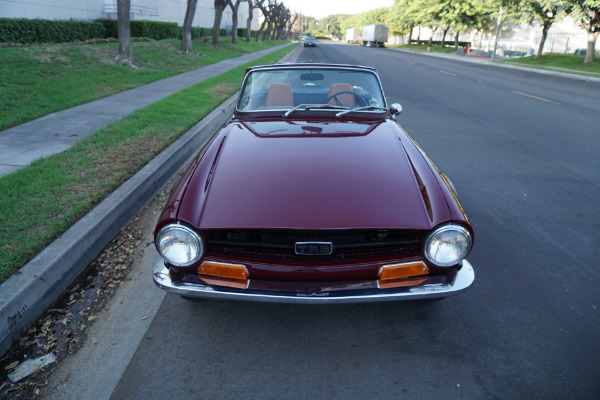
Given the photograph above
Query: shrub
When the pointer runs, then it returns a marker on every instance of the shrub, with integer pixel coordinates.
(242, 32)
(21, 30)
(200, 32)
(54, 31)
(110, 27)
(153, 29)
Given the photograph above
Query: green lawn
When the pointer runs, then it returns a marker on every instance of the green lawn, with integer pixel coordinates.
(555, 62)
(39, 80)
(39, 202)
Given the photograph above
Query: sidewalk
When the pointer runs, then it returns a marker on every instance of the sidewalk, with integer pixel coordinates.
(56, 132)
(27, 294)
(488, 62)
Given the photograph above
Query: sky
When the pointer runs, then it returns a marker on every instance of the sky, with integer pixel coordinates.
(323, 8)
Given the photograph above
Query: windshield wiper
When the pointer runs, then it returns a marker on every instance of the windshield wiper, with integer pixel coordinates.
(360, 109)
(313, 107)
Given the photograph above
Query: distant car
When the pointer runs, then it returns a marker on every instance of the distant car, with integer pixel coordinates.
(310, 41)
(312, 193)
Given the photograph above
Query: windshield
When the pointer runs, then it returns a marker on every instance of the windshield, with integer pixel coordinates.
(310, 89)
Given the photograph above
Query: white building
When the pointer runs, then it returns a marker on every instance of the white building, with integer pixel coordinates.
(564, 37)
(153, 10)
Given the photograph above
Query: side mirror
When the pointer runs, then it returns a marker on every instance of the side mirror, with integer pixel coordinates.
(395, 109)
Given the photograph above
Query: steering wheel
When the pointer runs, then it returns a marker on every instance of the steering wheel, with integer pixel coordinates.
(337, 101)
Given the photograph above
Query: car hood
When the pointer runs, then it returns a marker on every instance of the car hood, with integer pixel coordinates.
(291, 175)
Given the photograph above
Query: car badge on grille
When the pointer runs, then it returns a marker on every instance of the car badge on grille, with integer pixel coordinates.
(314, 248)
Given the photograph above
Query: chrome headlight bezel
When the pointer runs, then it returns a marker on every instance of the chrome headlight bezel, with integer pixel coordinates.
(187, 237)
(435, 240)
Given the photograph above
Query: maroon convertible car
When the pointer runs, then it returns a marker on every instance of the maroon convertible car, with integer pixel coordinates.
(312, 193)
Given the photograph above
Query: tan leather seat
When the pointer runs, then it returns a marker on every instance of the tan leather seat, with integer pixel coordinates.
(346, 99)
(280, 95)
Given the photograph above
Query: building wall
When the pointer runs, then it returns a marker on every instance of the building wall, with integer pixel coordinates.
(153, 10)
(564, 37)
(52, 9)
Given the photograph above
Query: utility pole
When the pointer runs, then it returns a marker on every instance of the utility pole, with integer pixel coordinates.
(497, 31)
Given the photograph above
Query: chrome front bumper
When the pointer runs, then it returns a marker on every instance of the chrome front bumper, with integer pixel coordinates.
(464, 278)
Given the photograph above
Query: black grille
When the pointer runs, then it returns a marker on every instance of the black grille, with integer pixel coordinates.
(268, 243)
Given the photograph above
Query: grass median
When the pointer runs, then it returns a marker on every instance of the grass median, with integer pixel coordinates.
(41, 201)
(39, 80)
(561, 63)
(423, 48)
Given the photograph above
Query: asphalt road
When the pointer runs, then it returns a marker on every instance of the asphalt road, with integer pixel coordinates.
(523, 151)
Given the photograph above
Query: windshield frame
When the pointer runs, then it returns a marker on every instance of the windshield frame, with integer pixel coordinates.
(318, 111)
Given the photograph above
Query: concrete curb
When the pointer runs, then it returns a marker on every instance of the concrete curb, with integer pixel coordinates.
(486, 62)
(26, 295)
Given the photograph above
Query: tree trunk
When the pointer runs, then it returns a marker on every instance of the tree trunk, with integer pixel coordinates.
(216, 34)
(410, 34)
(279, 32)
(234, 21)
(261, 31)
(547, 25)
(186, 36)
(456, 41)
(124, 31)
(431, 37)
(444, 36)
(419, 37)
(590, 55)
(291, 24)
(267, 35)
(249, 21)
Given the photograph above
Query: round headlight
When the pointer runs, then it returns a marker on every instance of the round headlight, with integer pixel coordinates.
(179, 245)
(448, 245)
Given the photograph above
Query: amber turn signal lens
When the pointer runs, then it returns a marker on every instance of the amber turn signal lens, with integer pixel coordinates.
(400, 283)
(234, 283)
(230, 271)
(405, 270)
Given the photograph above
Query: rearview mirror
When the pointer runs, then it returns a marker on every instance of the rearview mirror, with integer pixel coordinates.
(312, 77)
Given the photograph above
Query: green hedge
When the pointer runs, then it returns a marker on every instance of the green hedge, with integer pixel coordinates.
(154, 29)
(55, 31)
(200, 32)
(242, 32)
(110, 27)
(21, 30)
(142, 28)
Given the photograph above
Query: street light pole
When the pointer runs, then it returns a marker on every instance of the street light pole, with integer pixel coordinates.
(497, 31)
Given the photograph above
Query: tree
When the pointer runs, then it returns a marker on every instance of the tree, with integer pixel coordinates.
(234, 19)
(252, 4)
(546, 12)
(267, 10)
(409, 15)
(286, 16)
(291, 24)
(274, 11)
(587, 14)
(125, 54)
(186, 35)
(216, 34)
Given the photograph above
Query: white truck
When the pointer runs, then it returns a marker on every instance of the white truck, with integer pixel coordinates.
(353, 35)
(374, 35)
